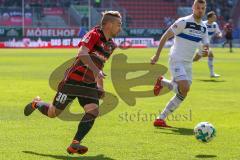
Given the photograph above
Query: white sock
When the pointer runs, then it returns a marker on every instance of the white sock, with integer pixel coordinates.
(171, 106)
(167, 83)
(210, 65)
(172, 86)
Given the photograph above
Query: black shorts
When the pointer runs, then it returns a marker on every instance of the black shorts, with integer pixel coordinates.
(228, 36)
(67, 91)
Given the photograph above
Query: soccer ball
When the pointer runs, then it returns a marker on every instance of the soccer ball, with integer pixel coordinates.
(204, 132)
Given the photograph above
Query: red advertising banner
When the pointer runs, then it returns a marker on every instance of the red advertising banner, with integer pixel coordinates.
(51, 32)
(67, 43)
(53, 43)
(53, 11)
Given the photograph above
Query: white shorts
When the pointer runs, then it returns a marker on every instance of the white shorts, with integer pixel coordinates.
(181, 71)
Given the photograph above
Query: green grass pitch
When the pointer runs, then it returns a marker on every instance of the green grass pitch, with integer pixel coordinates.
(126, 133)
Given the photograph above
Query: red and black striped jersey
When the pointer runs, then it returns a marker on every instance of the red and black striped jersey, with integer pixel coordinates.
(100, 50)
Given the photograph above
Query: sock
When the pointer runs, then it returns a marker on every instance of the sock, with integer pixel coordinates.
(172, 86)
(84, 126)
(43, 107)
(210, 65)
(171, 106)
(167, 83)
(175, 87)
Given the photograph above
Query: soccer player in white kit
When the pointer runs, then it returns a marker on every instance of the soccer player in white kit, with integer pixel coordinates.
(213, 30)
(188, 32)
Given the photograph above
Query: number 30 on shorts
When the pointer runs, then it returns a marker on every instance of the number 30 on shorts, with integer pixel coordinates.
(61, 98)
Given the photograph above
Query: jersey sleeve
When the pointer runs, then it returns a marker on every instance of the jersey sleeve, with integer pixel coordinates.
(89, 40)
(178, 26)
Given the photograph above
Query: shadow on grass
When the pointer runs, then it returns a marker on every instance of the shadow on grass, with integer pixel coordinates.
(175, 130)
(211, 80)
(205, 156)
(62, 157)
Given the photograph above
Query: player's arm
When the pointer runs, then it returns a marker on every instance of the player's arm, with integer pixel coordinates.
(175, 29)
(100, 87)
(83, 55)
(85, 46)
(100, 83)
(166, 36)
(218, 32)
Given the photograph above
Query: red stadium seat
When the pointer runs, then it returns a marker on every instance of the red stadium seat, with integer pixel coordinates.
(151, 15)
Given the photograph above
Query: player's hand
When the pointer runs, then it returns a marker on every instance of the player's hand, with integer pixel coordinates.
(154, 59)
(219, 35)
(100, 75)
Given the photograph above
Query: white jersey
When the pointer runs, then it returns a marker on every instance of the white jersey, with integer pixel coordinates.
(212, 29)
(188, 34)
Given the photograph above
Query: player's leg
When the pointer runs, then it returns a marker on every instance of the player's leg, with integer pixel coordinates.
(210, 65)
(91, 112)
(230, 45)
(85, 125)
(198, 55)
(182, 84)
(225, 42)
(45, 108)
(163, 82)
(174, 103)
(60, 102)
(171, 85)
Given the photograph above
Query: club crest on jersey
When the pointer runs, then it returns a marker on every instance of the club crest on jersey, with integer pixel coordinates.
(202, 29)
(85, 39)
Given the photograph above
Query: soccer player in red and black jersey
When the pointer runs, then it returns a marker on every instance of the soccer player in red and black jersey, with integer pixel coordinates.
(84, 79)
(228, 28)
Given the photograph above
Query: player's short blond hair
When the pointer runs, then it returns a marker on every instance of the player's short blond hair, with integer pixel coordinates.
(109, 16)
(200, 1)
